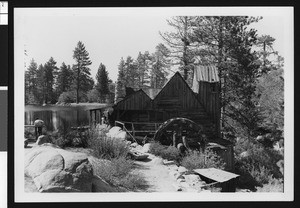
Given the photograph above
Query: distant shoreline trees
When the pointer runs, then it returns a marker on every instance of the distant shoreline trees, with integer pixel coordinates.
(48, 84)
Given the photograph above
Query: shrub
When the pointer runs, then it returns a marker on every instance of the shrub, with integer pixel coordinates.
(29, 133)
(156, 148)
(207, 159)
(93, 96)
(166, 152)
(259, 166)
(72, 138)
(67, 97)
(273, 185)
(105, 147)
(117, 172)
(70, 97)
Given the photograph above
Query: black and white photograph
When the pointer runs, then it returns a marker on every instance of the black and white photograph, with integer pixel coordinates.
(139, 104)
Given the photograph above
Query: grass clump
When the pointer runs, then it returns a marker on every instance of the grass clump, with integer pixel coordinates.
(196, 159)
(260, 169)
(117, 171)
(105, 147)
(166, 152)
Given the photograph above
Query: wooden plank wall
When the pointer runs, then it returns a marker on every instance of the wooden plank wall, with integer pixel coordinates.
(176, 95)
(136, 101)
(210, 100)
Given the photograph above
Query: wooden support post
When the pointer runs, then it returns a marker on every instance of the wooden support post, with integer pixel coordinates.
(132, 127)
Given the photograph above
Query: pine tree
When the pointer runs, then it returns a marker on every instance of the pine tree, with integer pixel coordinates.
(64, 79)
(50, 71)
(82, 79)
(179, 42)
(120, 85)
(226, 42)
(102, 82)
(30, 83)
(41, 84)
(143, 63)
(160, 65)
(131, 76)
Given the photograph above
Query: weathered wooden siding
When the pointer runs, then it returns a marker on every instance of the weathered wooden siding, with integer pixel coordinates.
(136, 101)
(176, 95)
(209, 96)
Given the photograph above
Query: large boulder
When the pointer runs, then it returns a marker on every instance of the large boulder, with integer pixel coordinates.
(56, 170)
(146, 148)
(43, 139)
(117, 133)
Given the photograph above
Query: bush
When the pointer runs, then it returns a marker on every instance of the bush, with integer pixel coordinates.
(105, 147)
(67, 97)
(117, 172)
(273, 185)
(72, 138)
(93, 96)
(166, 152)
(70, 97)
(259, 166)
(207, 159)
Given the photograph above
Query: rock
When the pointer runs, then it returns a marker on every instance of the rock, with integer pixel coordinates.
(173, 167)
(182, 170)
(244, 154)
(56, 170)
(179, 180)
(121, 135)
(184, 184)
(192, 178)
(157, 161)
(205, 191)
(117, 133)
(280, 164)
(25, 143)
(175, 175)
(167, 162)
(134, 145)
(177, 187)
(146, 148)
(43, 139)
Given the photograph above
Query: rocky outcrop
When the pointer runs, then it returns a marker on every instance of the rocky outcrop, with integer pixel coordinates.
(117, 133)
(51, 169)
(43, 139)
(56, 170)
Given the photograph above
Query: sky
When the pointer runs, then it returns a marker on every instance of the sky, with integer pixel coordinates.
(109, 34)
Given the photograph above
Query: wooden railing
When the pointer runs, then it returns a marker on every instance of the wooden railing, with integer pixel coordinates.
(132, 128)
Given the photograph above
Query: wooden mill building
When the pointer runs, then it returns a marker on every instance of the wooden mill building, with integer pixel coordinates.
(142, 111)
(175, 99)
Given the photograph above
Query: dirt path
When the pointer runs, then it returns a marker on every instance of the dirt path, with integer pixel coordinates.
(156, 175)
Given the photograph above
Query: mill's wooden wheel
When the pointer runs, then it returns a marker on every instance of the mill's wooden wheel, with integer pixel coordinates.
(192, 131)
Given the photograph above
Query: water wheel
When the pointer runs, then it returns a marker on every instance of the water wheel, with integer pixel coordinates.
(182, 127)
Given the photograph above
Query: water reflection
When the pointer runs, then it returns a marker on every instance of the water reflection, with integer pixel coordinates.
(57, 117)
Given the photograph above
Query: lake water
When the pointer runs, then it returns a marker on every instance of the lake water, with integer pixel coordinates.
(58, 116)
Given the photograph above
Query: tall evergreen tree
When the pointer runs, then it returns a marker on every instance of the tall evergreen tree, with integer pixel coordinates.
(143, 63)
(160, 65)
(226, 42)
(41, 84)
(120, 85)
(30, 83)
(131, 73)
(64, 79)
(102, 82)
(82, 73)
(180, 43)
(50, 71)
